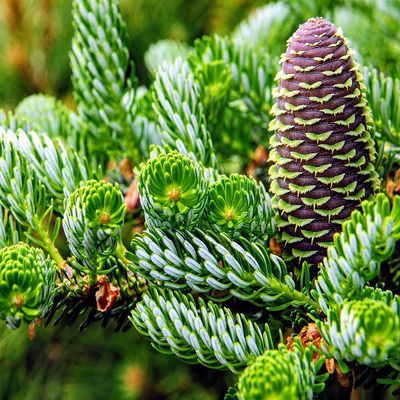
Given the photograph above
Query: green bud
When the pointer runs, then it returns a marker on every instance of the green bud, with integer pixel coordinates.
(215, 80)
(27, 284)
(173, 191)
(239, 206)
(368, 332)
(273, 376)
(94, 215)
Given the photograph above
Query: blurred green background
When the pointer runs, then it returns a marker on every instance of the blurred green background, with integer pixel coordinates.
(35, 37)
(63, 363)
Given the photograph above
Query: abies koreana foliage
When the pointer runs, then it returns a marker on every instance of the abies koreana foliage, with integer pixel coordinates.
(134, 210)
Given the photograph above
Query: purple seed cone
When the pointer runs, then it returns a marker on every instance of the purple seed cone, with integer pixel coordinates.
(322, 152)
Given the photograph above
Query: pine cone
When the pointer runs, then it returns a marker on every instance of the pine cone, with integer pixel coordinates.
(321, 148)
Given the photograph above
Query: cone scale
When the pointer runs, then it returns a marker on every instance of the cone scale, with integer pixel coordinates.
(322, 152)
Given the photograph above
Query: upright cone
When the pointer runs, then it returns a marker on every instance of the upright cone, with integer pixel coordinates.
(322, 152)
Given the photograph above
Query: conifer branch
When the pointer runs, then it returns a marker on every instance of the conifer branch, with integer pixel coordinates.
(383, 94)
(180, 112)
(25, 196)
(199, 331)
(206, 242)
(367, 240)
(217, 266)
(56, 165)
(102, 74)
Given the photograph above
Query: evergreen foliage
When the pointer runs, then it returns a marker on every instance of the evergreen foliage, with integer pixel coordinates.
(240, 207)
(44, 114)
(27, 284)
(203, 333)
(173, 191)
(367, 331)
(282, 368)
(100, 62)
(92, 223)
(204, 276)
